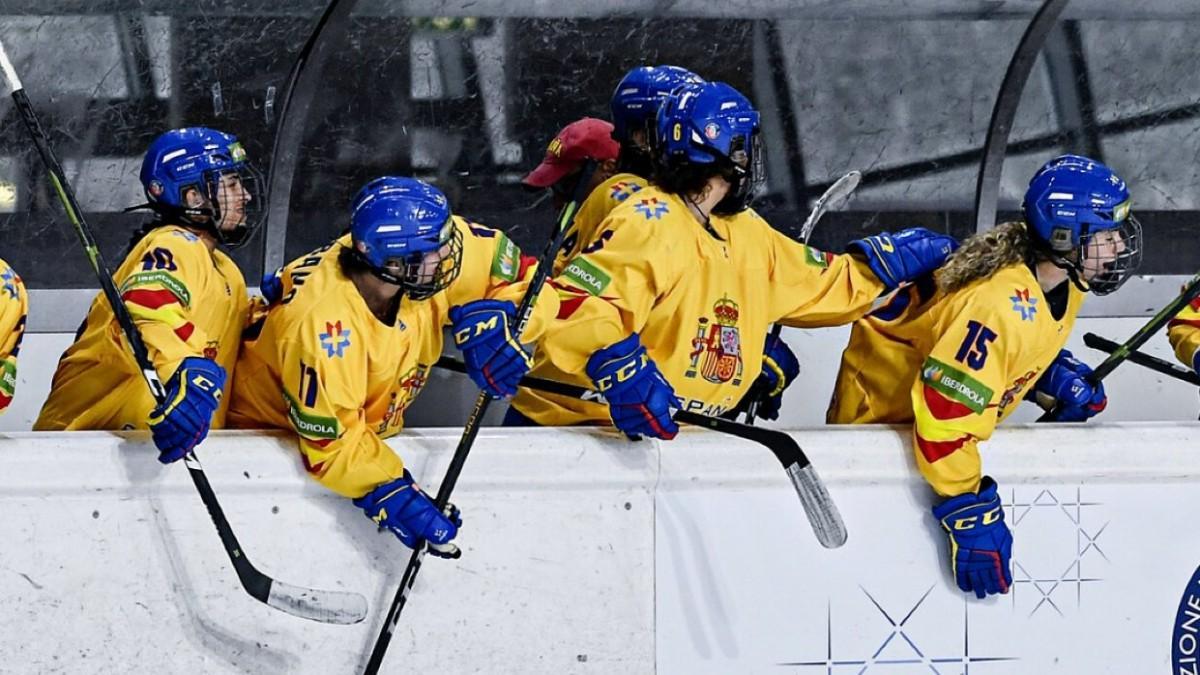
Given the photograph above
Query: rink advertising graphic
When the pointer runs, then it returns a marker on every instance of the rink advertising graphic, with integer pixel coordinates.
(1185, 644)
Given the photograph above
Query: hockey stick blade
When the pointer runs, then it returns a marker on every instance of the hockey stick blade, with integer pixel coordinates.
(338, 607)
(841, 190)
(823, 514)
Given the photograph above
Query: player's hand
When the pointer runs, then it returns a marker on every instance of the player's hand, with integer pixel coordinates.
(1066, 389)
(1196, 361)
(640, 400)
(402, 508)
(904, 256)
(980, 543)
(271, 286)
(780, 368)
(181, 421)
(495, 361)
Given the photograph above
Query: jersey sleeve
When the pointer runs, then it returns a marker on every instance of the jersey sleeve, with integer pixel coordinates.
(813, 289)
(14, 306)
(324, 371)
(494, 267)
(1184, 333)
(159, 297)
(608, 291)
(956, 395)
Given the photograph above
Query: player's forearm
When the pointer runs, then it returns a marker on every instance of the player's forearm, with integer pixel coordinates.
(352, 465)
(951, 467)
(593, 325)
(1185, 340)
(843, 293)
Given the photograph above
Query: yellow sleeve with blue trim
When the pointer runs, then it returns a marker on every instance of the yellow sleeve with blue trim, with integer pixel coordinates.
(956, 395)
(14, 306)
(324, 369)
(159, 293)
(1184, 333)
(814, 289)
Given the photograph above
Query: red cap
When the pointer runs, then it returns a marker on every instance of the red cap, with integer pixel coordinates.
(588, 138)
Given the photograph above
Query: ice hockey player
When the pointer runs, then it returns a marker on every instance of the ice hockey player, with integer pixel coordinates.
(1184, 333)
(582, 140)
(349, 346)
(14, 305)
(187, 298)
(634, 104)
(955, 357)
(654, 311)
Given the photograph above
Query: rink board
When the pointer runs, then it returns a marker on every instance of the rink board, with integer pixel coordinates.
(588, 553)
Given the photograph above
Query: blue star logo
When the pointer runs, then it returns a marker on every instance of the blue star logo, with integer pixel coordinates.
(1023, 304)
(10, 281)
(651, 208)
(623, 190)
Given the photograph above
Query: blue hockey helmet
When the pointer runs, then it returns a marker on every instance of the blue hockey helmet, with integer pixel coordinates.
(214, 165)
(1070, 201)
(639, 93)
(711, 123)
(402, 229)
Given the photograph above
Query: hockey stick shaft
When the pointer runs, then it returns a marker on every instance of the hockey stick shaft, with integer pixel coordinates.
(1143, 359)
(841, 190)
(346, 607)
(1119, 355)
(822, 513)
(565, 218)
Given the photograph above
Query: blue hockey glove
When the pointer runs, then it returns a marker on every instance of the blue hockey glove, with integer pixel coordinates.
(904, 256)
(496, 362)
(271, 286)
(402, 508)
(639, 398)
(1065, 384)
(779, 369)
(980, 543)
(181, 421)
(1196, 361)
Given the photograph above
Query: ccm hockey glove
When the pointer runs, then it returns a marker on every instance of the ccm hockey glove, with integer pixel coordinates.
(181, 421)
(980, 543)
(904, 256)
(639, 398)
(402, 508)
(1065, 387)
(496, 362)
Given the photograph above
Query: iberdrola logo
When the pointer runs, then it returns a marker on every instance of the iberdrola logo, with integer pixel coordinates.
(932, 374)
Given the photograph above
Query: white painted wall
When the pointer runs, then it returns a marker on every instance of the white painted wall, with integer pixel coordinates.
(586, 553)
(1135, 393)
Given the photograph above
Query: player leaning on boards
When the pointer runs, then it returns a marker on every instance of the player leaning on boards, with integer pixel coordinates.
(956, 356)
(1184, 333)
(186, 296)
(347, 348)
(683, 269)
(634, 104)
(14, 305)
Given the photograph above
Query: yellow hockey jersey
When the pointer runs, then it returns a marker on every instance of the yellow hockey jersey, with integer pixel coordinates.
(955, 366)
(185, 301)
(702, 302)
(14, 305)
(1184, 333)
(324, 367)
(592, 212)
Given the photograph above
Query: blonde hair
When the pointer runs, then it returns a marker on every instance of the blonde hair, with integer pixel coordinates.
(982, 254)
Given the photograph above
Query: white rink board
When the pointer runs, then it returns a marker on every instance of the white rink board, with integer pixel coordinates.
(589, 554)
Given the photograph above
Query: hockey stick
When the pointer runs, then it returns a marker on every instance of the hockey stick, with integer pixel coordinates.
(565, 218)
(1190, 292)
(822, 513)
(317, 605)
(837, 193)
(1143, 359)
